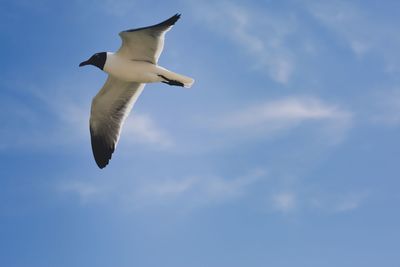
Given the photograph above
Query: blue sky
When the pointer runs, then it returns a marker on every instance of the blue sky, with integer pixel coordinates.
(284, 153)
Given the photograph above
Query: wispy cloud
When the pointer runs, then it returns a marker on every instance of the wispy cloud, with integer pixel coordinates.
(350, 202)
(46, 123)
(267, 47)
(282, 114)
(186, 192)
(284, 201)
(361, 29)
(202, 189)
(386, 108)
(141, 128)
(346, 20)
(337, 202)
(289, 202)
(199, 191)
(86, 192)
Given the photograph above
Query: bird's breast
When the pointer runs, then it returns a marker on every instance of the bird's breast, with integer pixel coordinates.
(130, 70)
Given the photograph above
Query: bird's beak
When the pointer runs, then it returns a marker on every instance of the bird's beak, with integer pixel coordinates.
(84, 63)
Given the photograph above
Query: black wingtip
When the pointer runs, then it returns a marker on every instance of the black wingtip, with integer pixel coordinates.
(166, 23)
(169, 22)
(102, 154)
(102, 164)
(172, 20)
(102, 151)
(101, 158)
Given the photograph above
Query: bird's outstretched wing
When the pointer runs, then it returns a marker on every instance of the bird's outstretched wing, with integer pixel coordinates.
(145, 43)
(110, 107)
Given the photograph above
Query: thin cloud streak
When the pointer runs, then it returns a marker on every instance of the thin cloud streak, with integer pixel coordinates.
(279, 115)
(350, 202)
(196, 191)
(297, 201)
(141, 128)
(386, 108)
(284, 202)
(202, 189)
(186, 192)
(267, 48)
(363, 32)
(337, 202)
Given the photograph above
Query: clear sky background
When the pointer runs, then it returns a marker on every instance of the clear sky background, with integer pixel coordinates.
(284, 153)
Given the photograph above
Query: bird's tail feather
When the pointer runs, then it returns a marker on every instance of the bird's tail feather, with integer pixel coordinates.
(186, 81)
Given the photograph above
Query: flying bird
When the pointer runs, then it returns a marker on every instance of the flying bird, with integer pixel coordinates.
(129, 69)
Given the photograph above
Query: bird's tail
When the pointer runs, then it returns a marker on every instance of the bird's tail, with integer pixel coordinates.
(187, 81)
(179, 79)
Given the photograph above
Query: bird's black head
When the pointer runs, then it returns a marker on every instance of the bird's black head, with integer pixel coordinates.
(98, 60)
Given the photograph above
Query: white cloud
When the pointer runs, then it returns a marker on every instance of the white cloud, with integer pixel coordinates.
(262, 34)
(284, 202)
(187, 192)
(190, 192)
(386, 108)
(86, 192)
(278, 115)
(350, 202)
(337, 202)
(201, 189)
(50, 122)
(141, 128)
(170, 187)
(364, 31)
(196, 190)
(346, 20)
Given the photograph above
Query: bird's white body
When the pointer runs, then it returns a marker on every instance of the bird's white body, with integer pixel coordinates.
(140, 71)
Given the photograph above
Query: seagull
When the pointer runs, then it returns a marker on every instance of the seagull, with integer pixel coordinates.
(128, 69)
